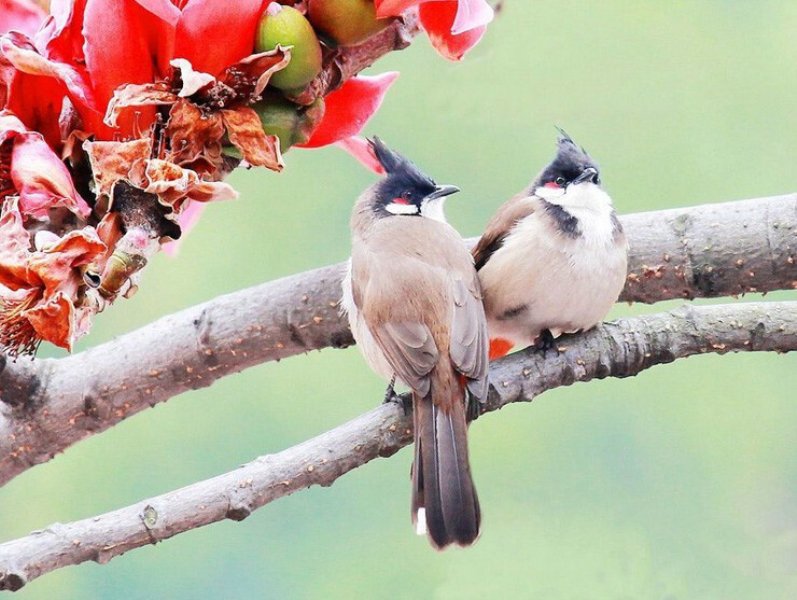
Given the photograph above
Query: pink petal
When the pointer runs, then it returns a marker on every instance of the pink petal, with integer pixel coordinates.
(213, 34)
(393, 8)
(21, 53)
(187, 220)
(360, 149)
(350, 107)
(20, 15)
(437, 19)
(41, 179)
(471, 14)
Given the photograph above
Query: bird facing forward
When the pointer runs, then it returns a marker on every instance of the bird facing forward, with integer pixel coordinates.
(553, 259)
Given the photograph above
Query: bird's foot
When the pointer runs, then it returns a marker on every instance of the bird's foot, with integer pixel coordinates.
(546, 342)
(392, 396)
(390, 393)
(473, 408)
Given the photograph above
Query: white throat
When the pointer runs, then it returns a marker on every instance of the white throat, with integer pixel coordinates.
(433, 209)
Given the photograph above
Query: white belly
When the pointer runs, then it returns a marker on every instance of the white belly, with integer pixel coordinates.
(365, 342)
(540, 279)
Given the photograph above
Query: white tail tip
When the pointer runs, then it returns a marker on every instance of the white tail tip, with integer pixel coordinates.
(420, 521)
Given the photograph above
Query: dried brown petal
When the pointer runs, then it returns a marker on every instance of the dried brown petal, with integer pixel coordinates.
(174, 184)
(132, 94)
(250, 76)
(246, 133)
(194, 136)
(112, 161)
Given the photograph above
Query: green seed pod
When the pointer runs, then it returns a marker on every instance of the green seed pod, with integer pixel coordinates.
(286, 26)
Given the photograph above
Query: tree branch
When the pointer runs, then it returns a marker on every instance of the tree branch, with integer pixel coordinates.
(703, 251)
(619, 349)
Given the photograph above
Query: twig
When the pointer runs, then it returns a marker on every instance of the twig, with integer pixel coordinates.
(619, 349)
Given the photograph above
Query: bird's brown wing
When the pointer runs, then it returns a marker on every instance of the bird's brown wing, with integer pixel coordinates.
(505, 218)
(393, 292)
(469, 340)
(416, 300)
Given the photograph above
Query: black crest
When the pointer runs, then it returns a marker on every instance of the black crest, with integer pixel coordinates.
(571, 160)
(403, 178)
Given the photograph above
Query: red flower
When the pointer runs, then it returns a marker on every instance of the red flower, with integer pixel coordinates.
(350, 107)
(453, 26)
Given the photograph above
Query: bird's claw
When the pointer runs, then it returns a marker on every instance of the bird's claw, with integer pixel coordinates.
(546, 342)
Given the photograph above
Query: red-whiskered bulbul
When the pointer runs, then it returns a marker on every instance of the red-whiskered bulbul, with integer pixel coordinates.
(415, 308)
(553, 259)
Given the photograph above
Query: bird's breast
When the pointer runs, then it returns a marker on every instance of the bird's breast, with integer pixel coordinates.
(543, 278)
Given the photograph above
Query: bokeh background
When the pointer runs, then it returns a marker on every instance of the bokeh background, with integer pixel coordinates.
(678, 483)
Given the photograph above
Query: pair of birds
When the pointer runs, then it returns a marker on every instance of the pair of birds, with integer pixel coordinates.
(428, 312)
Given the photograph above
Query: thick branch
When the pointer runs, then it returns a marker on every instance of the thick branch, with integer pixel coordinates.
(703, 251)
(619, 349)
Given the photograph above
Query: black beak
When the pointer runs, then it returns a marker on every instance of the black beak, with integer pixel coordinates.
(587, 174)
(442, 190)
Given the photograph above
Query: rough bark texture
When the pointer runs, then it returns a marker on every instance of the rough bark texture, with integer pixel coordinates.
(704, 251)
(619, 349)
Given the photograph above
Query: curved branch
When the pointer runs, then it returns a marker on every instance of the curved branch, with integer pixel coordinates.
(619, 349)
(703, 251)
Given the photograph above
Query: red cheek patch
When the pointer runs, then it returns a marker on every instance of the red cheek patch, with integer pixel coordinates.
(401, 200)
(552, 184)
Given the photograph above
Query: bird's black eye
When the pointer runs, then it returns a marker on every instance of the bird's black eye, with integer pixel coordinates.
(596, 180)
(560, 181)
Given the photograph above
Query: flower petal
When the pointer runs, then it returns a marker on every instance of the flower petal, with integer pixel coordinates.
(393, 8)
(471, 14)
(192, 81)
(137, 95)
(112, 161)
(41, 179)
(350, 107)
(53, 320)
(250, 76)
(22, 54)
(14, 248)
(20, 15)
(246, 133)
(213, 35)
(56, 265)
(437, 19)
(360, 149)
(173, 184)
(126, 43)
(194, 137)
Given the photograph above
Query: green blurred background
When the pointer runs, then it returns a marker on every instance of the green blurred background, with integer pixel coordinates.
(678, 483)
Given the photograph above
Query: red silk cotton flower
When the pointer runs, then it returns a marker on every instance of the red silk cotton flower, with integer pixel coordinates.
(119, 119)
(453, 26)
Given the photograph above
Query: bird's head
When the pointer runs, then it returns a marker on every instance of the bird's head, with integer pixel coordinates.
(571, 168)
(406, 190)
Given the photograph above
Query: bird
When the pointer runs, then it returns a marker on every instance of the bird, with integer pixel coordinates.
(415, 310)
(553, 259)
